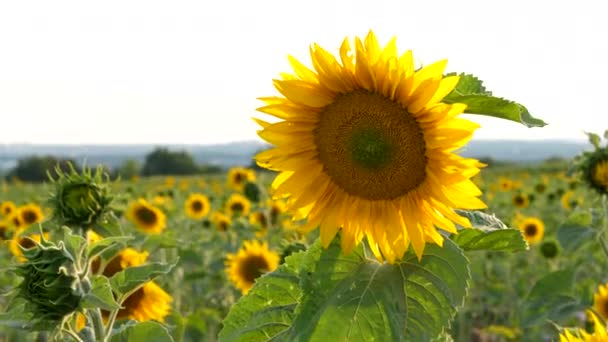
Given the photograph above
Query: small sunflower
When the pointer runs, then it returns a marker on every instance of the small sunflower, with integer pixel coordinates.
(260, 220)
(197, 206)
(600, 301)
(150, 302)
(521, 200)
(532, 228)
(367, 146)
(251, 261)
(20, 241)
(599, 335)
(505, 184)
(221, 221)
(593, 167)
(237, 205)
(239, 176)
(569, 201)
(30, 214)
(146, 217)
(7, 208)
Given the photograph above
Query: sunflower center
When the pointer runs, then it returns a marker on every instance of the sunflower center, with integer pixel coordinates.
(605, 307)
(519, 200)
(371, 146)
(530, 230)
(197, 206)
(238, 178)
(26, 243)
(146, 215)
(223, 225)
(132, 302)
(253, 267)
(29, 217)
(237, 207)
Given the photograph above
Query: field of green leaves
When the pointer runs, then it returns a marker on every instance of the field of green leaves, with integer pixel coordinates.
(194, 258)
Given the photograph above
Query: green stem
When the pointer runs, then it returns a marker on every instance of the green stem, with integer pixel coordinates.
(72, 335)
(111, 321)
(95, 314)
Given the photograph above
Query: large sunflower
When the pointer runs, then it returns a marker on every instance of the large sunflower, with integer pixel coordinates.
(599, 334)
(367, 145)
(251, 261)
(197, 206)
(532, 228)
(146, 217)
(600, 301)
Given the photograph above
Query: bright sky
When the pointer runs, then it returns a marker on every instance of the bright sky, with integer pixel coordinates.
(190, 71)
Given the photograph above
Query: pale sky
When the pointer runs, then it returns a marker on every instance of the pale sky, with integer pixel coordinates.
(190, 71)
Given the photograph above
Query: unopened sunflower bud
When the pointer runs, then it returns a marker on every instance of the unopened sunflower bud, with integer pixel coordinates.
(549, 249)
(252, 192)
(49, 284)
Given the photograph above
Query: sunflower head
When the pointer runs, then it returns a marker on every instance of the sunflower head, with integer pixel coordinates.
(149, 302)
(249, 263)
(239, 176)
(222, 222)
(48, 284)
(21, 242)
(7, 208)
(146, 217)
(197, 206)
(29, 214)
(128, 257)
(600, 334)
(505, 184)
(365, 145)
(593, 167)
(80, 199)
(521, 200)
(600, 301)
(532, 228)
(237, 205)
(570, 201)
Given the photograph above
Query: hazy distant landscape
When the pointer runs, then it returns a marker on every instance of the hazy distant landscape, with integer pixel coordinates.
(240, 153)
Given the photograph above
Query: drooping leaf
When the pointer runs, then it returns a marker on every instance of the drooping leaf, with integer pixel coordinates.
(100, 295)
(506, 240)
(99, 247)
(130, 279)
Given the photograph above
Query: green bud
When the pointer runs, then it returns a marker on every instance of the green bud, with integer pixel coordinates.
(49, 285)
(80, 199)
(549, 249)
(252, 192)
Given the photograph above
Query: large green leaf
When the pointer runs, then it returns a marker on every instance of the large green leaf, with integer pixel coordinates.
(551, 298)
(130, 279)
(268, 309)
(471, 92)
(506, 240)
(576, 230)
(100, 295)
(353, 298)
(148, 331)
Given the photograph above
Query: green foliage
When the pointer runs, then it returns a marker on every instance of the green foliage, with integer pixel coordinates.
(130, 279)
(161, 161)
(506, 240)
(594, 139)
(471, 92)
(576, 231)
(323, 295)
(145, 331)
(128, 169)
(100, 295)
(36, 168)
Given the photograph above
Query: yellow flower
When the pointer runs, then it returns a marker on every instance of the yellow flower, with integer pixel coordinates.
(238, 177)
(505, 184)
(599, 335)
(4, 229)
(532, 228)
(7, 208)
(251, 261)
(521, 200)
(276, 209)
(197, 206)
(237, 205)
(221, 221)
(128, 257)
(29, 214)
(146, 217)
(366, 145)
(259, 219)
(21, 241)
(150, 302)
(569, 202)
(600, 175)
(600, 301)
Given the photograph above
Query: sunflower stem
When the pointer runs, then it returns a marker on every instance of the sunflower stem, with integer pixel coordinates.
(111, 321)
(72, 334)
(100, 334)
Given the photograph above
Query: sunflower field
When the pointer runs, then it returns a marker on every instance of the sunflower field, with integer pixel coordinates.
(364, 224)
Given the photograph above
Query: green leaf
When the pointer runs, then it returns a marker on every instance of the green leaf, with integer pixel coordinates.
(109, 225)
(594, 139)
(506, 240)
(351, 297)
(130, 279)
(482, 221)
(606, 134)
(551, 298)
(98, 247)
(576, 231)
(267, 310)
(100, 295)
(468, 85)
(73, 243)
(148, 331)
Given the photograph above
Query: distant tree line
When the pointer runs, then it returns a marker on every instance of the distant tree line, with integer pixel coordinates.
(161, 161)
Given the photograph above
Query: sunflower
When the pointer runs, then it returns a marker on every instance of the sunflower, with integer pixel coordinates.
(276, 209)
(20, 241)
(221, 221)
(238, 176)
(30, 214)
(260, 220)
(197, 206)
(505, 184)
(7, 208)
(367, 146)
(251, 261)
(599, 335)
(532, 228)
(569, 202)
(600, 300)
(521, 200)
(128, 257)
(4, 228)
(149, 302)
(599, 176)
(237, 205)
(146, 217)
